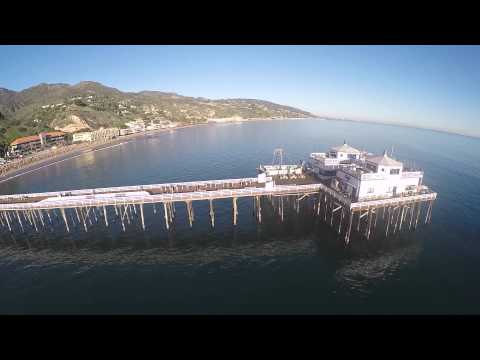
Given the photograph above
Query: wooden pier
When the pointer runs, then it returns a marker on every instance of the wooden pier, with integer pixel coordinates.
(34, 211)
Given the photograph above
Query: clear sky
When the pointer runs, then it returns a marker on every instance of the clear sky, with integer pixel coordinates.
(432, 86)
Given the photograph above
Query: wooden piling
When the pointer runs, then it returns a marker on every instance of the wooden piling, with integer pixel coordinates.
(369, 223)
(350, 220)
(41, 217)
(281, 208)
(341, 220)
(8, 223)
(332, 205)
(212, 214)
(325, 208)
(319, 202)
(359, 220)
(419, 210)
(20, 221)
(165, 211)
(235, 211)
(33, 220)
(401, 219)
(62, 210)
(389, 218)
(141, 215)
(259, 209)
(105, 215)
(429, 209)
(189, 212)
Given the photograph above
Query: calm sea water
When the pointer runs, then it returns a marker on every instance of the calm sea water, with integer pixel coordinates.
(294, 267)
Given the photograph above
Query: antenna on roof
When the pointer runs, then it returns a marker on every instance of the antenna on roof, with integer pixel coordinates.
(344, 142)
(278, 155)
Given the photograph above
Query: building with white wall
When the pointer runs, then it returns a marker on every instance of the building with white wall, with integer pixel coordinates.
(136, 126)
(325, 165)
(97, 135)
(37, 142)
(377, 177)
(82, 136)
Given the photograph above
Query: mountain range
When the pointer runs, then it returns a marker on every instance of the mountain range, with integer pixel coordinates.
(91, 105)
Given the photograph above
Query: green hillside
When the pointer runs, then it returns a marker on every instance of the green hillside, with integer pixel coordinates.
(93, 105)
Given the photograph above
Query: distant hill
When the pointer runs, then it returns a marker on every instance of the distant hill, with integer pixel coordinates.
(92, 105)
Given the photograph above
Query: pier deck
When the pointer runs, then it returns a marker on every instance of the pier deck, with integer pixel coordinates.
(32, 207)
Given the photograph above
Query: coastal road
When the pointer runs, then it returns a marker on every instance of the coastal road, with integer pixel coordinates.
(56, 160)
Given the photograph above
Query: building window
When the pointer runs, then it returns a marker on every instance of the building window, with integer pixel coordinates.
(394, 171)
(371, 190)
(371, 167)
(383, 169)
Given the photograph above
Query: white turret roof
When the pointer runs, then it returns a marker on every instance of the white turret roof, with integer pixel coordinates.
(384, 160)
(346, 149)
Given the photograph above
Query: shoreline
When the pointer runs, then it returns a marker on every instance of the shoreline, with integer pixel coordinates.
(77, 150)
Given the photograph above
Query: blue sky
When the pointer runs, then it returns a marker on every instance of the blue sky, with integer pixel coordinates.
(432, 86)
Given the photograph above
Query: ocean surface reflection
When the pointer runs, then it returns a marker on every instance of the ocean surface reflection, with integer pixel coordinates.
(298, 266)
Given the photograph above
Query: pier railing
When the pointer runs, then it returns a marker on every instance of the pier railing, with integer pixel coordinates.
(34, 209)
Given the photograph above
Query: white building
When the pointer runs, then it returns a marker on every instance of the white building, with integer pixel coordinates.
(105, 134)
(124, 132)
(325, 165)
(136, 126)
(97, 135)
(82, 136)
(377, 177)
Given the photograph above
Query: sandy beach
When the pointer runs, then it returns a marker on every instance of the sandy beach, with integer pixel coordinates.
(76, 150)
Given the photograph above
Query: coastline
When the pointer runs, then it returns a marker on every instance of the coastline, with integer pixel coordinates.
(77, 150)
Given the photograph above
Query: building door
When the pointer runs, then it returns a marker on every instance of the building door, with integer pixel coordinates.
(394, 191)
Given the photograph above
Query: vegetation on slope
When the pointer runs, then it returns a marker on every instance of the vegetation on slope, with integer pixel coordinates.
(93, 105)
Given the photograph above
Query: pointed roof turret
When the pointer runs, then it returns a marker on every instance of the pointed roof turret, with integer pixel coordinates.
(346, 148)
(384, 160)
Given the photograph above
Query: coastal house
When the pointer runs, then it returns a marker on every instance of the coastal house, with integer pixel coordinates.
(97, 135)
(52, 138)
(82, 136)
(37, 142)
(378, 177)
(105, 134)
(137, 125)
(25, 144)
(325, 165)
(127, 131)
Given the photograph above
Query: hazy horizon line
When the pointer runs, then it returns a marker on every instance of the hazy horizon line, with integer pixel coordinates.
(401, 124)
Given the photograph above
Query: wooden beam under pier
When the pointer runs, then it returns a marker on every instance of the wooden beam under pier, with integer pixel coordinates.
(141, 214)
(369, 224)
(166, 214)
(235, 211)
(212, 213)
